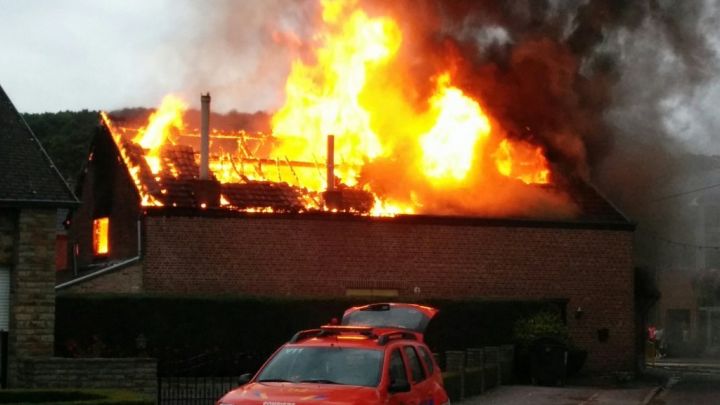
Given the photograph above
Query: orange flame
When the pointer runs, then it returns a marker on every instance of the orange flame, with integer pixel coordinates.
(523, 161)
(439, 146)
(168, 117)
(133, 167)
(100, 235)
(324, 98)
(449, 148)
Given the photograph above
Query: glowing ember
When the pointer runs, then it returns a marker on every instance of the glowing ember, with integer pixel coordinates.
(522, 161)
(100, 235)
(134, 167)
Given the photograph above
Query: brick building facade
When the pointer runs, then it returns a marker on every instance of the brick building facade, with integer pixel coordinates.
(411, 258)
(419, 257)
(586, 262)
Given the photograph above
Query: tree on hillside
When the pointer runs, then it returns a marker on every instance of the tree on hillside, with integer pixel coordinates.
(66, 137)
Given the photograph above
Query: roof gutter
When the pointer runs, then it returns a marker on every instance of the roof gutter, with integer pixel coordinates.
(100, 272)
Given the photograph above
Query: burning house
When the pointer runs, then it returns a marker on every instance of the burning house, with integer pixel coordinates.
(357, 191)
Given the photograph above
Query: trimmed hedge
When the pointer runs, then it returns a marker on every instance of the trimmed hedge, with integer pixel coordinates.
(73, 397)
(244, 331)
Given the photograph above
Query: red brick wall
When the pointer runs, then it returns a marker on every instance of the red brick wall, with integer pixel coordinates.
(302, 256)
(61, 251)
(127, 280)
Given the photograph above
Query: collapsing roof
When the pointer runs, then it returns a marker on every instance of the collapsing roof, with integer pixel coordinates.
(178, 186)
(27, 175)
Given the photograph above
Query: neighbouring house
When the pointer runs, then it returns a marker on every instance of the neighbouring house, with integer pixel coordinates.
(33, 196)
(202, 236)
(688, 278)
(31, 193)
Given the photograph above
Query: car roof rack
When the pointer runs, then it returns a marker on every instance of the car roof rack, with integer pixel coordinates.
(384, 338)
(380, 306)
(332, 330)
(305, 334)
(336, 329)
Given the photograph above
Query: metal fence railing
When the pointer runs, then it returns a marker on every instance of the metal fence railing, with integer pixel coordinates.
(473, 371)
(193, 390)
(201, 378)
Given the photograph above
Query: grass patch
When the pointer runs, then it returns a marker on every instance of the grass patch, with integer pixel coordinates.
(73, 397)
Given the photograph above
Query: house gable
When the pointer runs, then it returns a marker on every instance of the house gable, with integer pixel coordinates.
(27, 175)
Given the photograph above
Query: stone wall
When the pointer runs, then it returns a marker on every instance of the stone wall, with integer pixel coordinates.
(136, 374)
(588, 265)
(32, 294)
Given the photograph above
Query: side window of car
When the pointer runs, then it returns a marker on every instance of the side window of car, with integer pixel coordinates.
(397, 368)
(418, 373)
(427, 359)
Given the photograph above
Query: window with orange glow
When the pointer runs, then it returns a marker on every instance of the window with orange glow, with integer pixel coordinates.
(100, 235)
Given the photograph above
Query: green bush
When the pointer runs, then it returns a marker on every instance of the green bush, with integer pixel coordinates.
(544, 324)
(73, 397)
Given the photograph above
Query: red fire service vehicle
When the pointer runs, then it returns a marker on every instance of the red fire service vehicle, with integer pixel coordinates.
(377, 356)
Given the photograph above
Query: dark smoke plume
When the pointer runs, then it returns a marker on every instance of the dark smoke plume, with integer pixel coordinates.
(619, 92)
(609, 87)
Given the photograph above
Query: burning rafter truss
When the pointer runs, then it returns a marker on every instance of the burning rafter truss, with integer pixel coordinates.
(176, 182)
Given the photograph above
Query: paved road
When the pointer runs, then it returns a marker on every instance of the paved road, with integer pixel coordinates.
(526, 394)
(690, 391)
(686, 382)
(689, 381)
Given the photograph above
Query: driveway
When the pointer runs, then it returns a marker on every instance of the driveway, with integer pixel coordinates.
(528, 394)
(665, 382)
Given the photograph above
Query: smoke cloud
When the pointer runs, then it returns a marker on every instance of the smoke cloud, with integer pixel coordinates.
(621, 93)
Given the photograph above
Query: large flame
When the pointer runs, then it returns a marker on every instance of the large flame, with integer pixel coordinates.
(324, 98)
(168, 117)
(352, 87)
(449, 148)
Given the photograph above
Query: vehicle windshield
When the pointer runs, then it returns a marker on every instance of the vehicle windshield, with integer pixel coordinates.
(325, 365)
(391, 317)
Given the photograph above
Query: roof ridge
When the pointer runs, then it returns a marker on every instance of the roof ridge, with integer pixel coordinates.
(69, 198)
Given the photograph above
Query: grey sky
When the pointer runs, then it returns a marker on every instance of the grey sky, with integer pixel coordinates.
(106, 54)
